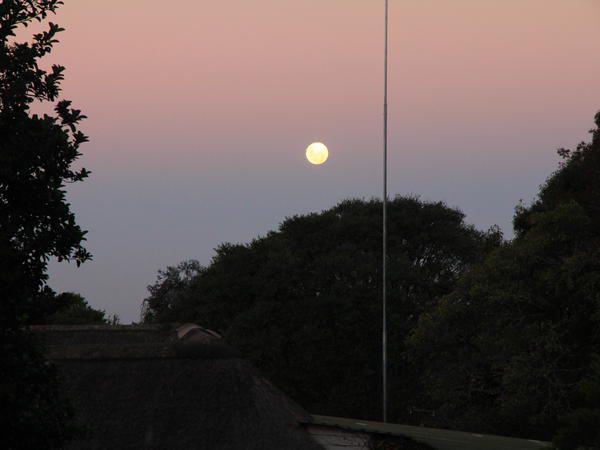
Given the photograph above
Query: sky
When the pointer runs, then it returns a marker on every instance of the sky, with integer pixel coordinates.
(199, 116)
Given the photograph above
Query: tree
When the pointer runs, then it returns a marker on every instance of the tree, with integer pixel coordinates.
(505, 352)
(69, 308)
(303, 302)
(36, 223)
(171, 284)
(581, 426)
(577, 180)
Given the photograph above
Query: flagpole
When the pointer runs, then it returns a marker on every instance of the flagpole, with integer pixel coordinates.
(384, 263)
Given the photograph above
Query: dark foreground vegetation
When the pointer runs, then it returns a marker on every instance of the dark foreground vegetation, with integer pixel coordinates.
(304, 302)
(36, 223)
(485, 334)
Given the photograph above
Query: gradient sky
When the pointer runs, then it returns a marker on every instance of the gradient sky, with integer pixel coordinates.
(199, 115)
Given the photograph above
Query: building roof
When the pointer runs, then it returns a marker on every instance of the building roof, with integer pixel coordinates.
(152, 387)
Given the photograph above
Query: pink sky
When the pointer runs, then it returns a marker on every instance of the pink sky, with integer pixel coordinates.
(199, 116)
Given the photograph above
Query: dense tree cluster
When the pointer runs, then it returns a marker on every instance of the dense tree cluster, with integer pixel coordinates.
(304, 302)
(512, 349)
(36, 223)
(69, 308)
(485, 334)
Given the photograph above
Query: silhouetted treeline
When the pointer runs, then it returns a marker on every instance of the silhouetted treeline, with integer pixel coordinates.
(485, 334)
(304, 302)
(36, 223)
(514, 348)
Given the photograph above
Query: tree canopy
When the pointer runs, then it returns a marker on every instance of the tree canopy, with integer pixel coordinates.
(577, 179)
(36, 223)
(510, 349)
(303, 302)
(36, 155)
(68, 308)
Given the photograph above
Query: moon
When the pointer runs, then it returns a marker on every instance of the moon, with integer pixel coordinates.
(317, 153)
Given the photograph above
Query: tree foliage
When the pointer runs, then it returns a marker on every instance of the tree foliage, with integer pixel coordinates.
(36, 152)
(506, 351)
(581, 426)
(303, 302)
(69, 308)
(171, 283)
(36, 223)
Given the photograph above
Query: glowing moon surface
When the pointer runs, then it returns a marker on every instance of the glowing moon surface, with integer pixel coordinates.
(317, 153)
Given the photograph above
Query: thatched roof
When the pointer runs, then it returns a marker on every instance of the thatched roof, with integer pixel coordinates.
(144, 387)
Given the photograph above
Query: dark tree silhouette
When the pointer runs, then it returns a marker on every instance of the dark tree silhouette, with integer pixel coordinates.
(36, 223)
(510, 349)
(69, 308)
(303, 302)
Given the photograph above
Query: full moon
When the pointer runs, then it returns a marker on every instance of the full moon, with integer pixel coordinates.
(317, 153)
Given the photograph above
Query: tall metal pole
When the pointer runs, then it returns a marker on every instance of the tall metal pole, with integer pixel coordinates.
(384, 264)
